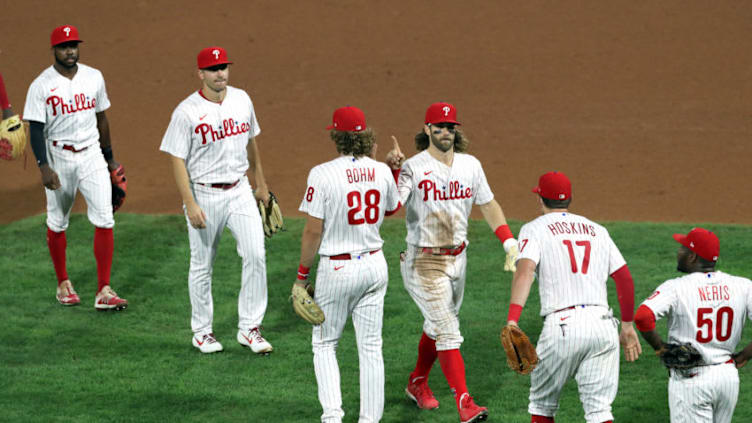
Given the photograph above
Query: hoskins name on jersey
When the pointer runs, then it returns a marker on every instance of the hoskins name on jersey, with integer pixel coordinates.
(577, 228)
(229, 128)
(360, 175)
(79, 103)
(455, 192)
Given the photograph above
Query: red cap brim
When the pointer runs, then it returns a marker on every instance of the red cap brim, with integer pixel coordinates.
(536, 190)
(681, 239)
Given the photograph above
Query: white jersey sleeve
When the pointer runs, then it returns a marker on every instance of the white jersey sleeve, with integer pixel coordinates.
(34, 108)
(103, 101)
(483, 193)
(177, 138)
(315, 198)
(663, 300)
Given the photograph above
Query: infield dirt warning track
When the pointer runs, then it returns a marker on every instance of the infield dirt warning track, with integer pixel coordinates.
(645, 106)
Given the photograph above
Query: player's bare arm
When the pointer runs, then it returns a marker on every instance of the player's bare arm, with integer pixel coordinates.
(254, 163)
(195, 215)
(309, 245)
(36, 134)
(105, 142)
(521, 284)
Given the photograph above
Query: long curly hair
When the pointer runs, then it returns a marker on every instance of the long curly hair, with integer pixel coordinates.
(358, 144)
(461, 142)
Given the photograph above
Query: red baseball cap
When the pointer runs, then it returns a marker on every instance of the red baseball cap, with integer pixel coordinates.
(349, 119)
(702, 242)
(64, 34)
(554, 186)
(212, 56)
(441, 113)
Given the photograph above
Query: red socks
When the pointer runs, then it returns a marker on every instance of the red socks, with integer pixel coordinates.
(56, 243)
(426, 357)
(103, 248)
(454, 370)
(541, 419)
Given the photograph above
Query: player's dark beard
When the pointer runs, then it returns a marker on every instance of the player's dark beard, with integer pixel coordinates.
(66, 65)
(438, 144)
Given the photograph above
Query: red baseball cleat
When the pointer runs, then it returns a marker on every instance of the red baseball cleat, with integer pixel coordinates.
(418, 391)
(66, 295)
(107, 299)
(471, 412)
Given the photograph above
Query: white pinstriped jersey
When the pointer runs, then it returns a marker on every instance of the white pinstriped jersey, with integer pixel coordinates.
(707, 310)
(212, 137)
(351, 196)
(574, 255)
(68, 107)
(439, 198)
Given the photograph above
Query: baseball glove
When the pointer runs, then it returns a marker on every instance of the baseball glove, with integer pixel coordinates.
(679, 356)
(119, 187)
(271, 216)
(12, 138)
(521, 355)
(304, 306)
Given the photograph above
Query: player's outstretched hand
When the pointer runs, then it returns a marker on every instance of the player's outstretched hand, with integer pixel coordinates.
(513, 251)
(629, 341)
(395, 158)
(49, 178)
(196, 216)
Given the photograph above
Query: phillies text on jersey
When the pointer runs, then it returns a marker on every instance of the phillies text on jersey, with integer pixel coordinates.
(574, 255)
(438, 198)
(212, 137)
(351, 196)
(707, 310)
(68, 107)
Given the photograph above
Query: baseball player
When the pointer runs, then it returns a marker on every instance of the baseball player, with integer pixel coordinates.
(574, 257)
(346, 201)
(209, 138)
(70, 136)
(438, 187)
(707, 309)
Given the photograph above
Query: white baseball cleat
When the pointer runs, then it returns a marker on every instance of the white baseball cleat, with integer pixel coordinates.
(66, 295)
(207, 343)
(252, 339)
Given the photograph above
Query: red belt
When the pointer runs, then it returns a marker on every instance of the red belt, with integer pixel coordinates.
(444, 251)
(220, 186)
(347, 256)
(68, 147)
(570, 308)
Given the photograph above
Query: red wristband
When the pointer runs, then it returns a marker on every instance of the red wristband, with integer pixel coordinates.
(303, 272)
(503, 233)
(515, 310)
(4, 103)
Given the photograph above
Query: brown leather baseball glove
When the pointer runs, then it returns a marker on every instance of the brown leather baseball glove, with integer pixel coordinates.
(271, 216)
(305, 306)
(12, 138)
(521, 355)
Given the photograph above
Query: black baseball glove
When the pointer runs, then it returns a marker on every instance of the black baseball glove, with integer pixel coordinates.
(679, 356)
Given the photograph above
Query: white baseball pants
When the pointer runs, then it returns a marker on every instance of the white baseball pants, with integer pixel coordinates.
(582, 343)
(356, 288)
(707, 397)
(235, 209)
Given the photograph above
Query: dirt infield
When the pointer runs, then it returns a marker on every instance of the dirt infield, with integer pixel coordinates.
(646, 106)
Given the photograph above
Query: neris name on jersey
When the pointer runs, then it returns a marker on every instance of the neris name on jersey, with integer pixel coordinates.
(229, 128)
(455, 191)
(568, 228)
(79, 103)
(361, 175)
(714, 293)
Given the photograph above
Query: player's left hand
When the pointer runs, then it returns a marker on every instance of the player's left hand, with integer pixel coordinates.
(112, 165)
(261, 193)
(738, 360)
(629, 341)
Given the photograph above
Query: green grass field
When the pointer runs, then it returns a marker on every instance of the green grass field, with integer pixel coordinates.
(77, 365)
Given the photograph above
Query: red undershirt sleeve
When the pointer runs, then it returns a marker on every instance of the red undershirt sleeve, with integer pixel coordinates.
(645, 319)
(395, 173)
(389, 213)
(625, 292)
